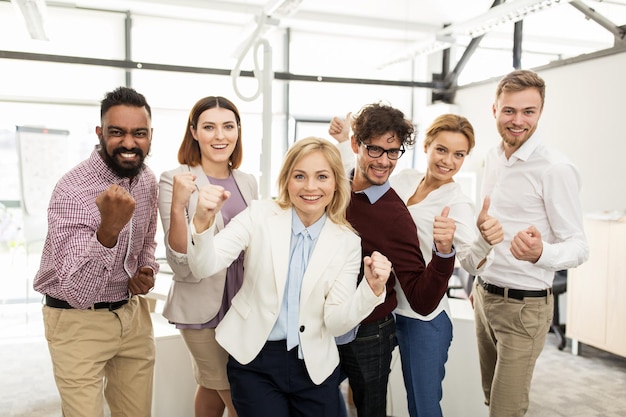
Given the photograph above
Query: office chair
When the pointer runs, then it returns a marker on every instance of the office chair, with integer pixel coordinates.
(458, 286)
(559, 286)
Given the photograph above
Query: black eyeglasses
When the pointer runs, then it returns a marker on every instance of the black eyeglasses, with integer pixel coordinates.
(376, 151)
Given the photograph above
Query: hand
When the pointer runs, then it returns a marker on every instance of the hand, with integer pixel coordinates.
(340, 129)
(443, 231)
(183, 187)
(211, 198)
(490, 227)
(377, 269)
(142, 282)
(527, 245)
(116, 207)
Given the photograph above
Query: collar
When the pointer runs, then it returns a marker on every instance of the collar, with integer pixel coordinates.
(373, 192)
(526, 150)
(314, 230)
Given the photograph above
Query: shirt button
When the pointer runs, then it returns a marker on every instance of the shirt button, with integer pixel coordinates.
(301, 329)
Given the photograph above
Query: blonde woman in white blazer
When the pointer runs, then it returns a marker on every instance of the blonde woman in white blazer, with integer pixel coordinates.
(211, 152)
(267, 377)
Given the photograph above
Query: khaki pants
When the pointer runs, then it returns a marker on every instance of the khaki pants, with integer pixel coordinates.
(96, 351)
(510, 334)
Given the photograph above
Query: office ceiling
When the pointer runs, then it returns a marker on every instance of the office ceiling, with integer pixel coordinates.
(561, 31)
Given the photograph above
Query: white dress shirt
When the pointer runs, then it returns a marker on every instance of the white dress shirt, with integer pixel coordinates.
(536, 186)
(470, 247)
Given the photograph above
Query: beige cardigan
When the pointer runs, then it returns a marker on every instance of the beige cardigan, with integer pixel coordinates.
(191, 299)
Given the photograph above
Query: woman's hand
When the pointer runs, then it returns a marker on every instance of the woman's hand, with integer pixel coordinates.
(211, 198)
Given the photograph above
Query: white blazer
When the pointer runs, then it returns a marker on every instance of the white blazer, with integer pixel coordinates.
(195, 299)
(330, 301)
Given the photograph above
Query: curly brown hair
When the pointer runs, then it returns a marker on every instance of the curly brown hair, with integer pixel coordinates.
(377, 119)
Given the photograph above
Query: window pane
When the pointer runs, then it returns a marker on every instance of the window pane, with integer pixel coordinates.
(184, 42)
(71, 32)
(47, 81)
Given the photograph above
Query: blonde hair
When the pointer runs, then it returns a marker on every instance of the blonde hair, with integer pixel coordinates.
(450, 123)
(520, 80)
(336, 209)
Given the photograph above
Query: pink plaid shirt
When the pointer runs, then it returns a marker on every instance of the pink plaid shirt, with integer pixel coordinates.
(75, 267)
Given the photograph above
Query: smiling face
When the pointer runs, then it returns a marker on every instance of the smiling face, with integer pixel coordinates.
(445, 155)
(373, 171)
(125, 137)
(517, 115)
(217, 133)
(311, 187)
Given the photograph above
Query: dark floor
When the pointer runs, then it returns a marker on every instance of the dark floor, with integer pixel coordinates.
(592, 384)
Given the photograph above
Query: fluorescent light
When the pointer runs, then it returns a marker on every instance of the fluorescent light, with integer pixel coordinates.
(280, 9)
(34, 12)
(509, 12)
(426, 46)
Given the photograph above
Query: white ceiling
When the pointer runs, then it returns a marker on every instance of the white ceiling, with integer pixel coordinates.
(561, 31)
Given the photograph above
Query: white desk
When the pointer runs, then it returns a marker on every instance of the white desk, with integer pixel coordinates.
(158, 295)
(174, 383)
(462, 392)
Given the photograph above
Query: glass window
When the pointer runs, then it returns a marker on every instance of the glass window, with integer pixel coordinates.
(169, 41)
(50, 81)
(71, 32)
(345, 56)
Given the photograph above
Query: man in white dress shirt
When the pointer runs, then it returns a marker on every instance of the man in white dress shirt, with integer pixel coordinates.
(534, 192)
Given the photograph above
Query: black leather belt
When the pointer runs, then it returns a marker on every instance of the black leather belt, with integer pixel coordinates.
(513, 293)
(387, 318)
(56, 303)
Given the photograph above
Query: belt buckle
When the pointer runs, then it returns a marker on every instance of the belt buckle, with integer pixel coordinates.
(483, 284)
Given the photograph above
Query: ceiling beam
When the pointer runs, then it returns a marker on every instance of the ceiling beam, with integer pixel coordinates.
(283, 76)
(618, 31)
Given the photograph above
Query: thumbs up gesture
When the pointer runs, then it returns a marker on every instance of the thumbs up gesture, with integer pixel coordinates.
(339, 128)
(443, 231)
(490, 227)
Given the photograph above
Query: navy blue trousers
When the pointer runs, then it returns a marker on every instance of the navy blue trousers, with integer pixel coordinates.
(277, 384)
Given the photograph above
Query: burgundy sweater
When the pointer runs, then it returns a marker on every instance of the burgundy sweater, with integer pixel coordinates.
(387, 227)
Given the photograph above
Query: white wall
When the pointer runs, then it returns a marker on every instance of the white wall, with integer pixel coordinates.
(583, 116)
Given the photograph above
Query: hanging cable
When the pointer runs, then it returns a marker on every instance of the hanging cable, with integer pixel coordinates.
(256, 41)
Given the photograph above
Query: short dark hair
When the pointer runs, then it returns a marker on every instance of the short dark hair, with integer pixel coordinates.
(123, 96)
(377, 119)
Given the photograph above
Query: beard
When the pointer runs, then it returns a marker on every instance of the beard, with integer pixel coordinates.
(124, 170)
(515, 142)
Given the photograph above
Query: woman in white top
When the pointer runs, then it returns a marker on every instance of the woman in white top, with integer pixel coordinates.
(424, 340)
(433, 198)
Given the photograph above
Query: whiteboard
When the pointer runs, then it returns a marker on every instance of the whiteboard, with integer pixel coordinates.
(42, 155)
(43, 159)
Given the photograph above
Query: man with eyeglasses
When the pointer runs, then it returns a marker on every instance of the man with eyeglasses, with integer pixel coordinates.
(380, 136)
